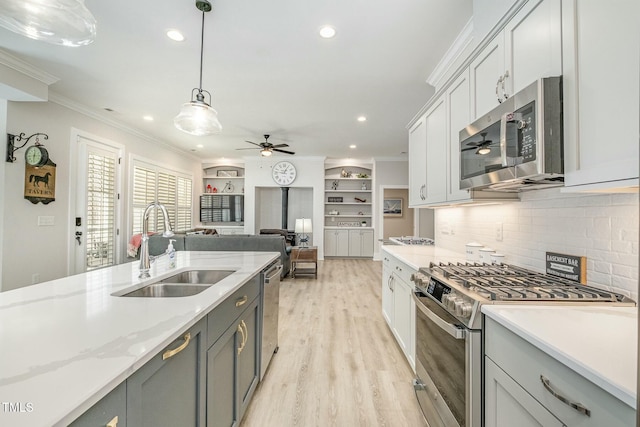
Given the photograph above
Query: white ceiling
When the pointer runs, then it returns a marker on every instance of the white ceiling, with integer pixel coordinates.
(266, 67)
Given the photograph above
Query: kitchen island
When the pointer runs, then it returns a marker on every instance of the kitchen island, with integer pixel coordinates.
(67, 343)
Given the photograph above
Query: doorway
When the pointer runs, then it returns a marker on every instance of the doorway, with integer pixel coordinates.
(97, 203)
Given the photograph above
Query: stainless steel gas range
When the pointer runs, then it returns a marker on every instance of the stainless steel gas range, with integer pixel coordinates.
(448, 300)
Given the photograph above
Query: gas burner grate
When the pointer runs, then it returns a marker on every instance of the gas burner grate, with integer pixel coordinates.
(511, 283)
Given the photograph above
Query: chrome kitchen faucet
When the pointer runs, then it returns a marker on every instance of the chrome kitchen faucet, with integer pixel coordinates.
(145, 259)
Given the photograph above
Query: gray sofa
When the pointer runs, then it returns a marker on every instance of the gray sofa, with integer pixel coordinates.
(198, 242)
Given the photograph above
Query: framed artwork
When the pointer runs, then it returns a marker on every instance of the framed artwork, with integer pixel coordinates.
(392, 207)
(226, 174)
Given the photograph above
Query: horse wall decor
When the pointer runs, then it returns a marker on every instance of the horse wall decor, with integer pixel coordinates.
(37, 179)
(40, 183)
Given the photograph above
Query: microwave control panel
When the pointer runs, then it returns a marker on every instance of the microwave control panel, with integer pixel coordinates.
(526, 124)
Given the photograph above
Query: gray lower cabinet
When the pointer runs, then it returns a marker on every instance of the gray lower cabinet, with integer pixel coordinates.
(233, 369)
(111, 411)
(206, 376)
(169, 390)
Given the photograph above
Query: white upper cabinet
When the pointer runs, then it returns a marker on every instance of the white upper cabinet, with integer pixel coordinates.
(533, 44)
(528, 48)
(458, 109)
(601, 41)
(487, 72)
(436, 161)
(417, 162)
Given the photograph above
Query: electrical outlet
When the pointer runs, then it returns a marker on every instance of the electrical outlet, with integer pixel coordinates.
(445, 228)
(45, 221)
(498, 231)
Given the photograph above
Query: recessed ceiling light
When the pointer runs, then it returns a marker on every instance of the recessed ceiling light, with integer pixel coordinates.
(175, 35)
(147, 118)
(200, 146)
(352, 146)
(327, 32)
(362, 119)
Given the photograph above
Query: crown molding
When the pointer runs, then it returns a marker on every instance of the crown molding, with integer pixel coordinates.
(455, 50)
(110, 121)
(25, 68)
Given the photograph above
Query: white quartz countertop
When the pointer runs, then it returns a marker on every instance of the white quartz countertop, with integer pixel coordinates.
(66, 343)
(599, 343)
(417, 256)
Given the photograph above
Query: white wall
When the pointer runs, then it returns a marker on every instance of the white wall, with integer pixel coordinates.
(310, 176)
(387, 173)
(29, 249)
(3, 131)
(602, 227)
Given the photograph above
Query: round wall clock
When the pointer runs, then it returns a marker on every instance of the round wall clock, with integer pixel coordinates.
(283, 173)
(36, 155)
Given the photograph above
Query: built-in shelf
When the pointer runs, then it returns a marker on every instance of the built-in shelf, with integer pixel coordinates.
(345, 236)
(347, 191)
(212, 178)
(348, 203)
(348, 216)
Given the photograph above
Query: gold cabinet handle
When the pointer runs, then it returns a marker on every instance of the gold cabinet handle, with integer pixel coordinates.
(241, 301)
(241, 347)
(170, 353)
(113, 422)
(246, 333)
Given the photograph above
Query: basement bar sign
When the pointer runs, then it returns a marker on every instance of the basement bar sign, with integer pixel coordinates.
(567, 266)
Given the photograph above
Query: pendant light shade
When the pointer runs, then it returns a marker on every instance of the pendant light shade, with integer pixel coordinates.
(196, 117)
(62, 22)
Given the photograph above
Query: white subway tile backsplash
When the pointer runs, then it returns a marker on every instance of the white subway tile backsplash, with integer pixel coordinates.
(602, 227)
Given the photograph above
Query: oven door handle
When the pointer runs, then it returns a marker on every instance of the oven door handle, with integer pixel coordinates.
(449, 328)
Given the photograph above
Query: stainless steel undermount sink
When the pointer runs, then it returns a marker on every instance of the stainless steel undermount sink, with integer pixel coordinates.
(183, 284)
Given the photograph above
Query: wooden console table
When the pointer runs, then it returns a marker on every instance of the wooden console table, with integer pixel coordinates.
(305, 256)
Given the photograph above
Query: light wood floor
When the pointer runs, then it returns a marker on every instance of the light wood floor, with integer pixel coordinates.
(338, 363)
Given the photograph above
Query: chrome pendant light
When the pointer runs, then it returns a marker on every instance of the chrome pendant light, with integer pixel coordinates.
(197, 117)
(62, 22)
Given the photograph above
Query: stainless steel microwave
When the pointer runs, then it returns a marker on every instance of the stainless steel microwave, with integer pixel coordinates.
(519, 144)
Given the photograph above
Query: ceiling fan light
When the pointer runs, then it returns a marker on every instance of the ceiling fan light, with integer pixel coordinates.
(197, 118)
(61, 22)
(266, 153)
(483, 150)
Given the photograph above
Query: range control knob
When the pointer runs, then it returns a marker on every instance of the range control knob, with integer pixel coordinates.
(463, 309)
(447, 299)
(457, 305)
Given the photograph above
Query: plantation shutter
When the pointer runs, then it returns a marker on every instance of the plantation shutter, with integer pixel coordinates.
(151, 183)
(101, 200)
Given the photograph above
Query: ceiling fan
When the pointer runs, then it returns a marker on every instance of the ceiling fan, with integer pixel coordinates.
(266, 148)
(482, 147)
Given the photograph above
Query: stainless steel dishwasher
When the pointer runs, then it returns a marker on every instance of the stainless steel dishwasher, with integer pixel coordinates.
(270, 309)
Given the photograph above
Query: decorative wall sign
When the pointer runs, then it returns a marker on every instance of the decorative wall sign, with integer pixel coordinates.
(567, 266)
(392, 207)
(227, 173)
(349, 224)
(40, 183)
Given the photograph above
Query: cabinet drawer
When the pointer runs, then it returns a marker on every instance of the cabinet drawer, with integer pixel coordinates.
(526, 364)
(224, 314)
(402, 270)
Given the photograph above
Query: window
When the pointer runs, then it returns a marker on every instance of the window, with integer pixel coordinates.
(101, 199)
(172, 189)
